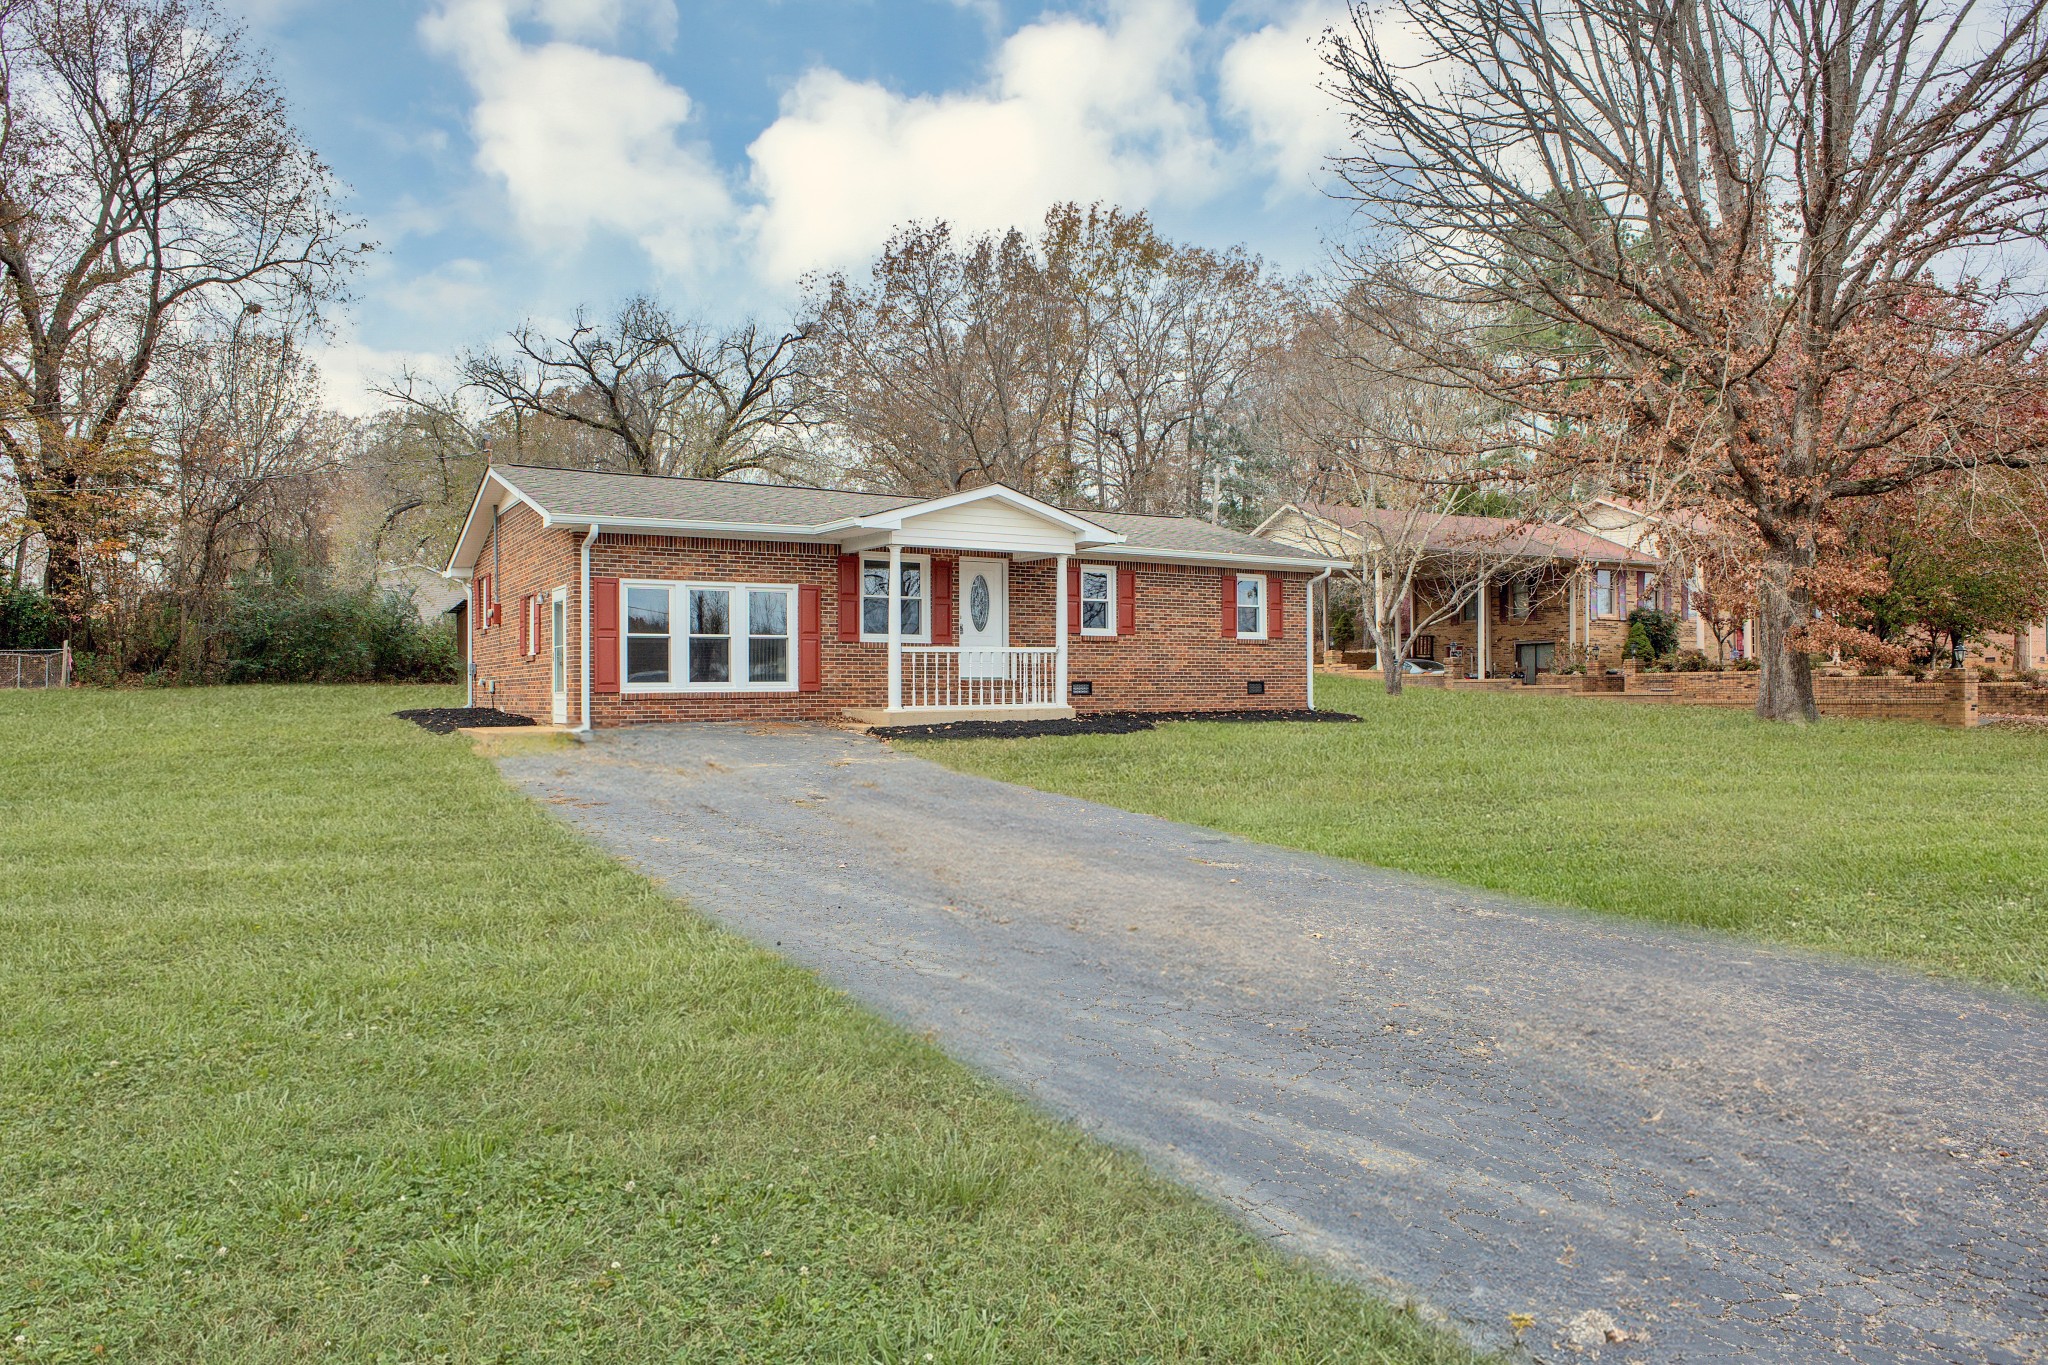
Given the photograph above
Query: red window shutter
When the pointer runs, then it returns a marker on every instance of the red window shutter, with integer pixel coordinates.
(1276, 594)
(604, 635)
(942, 602)
(809, 648)
(849, 598)
(1073, 599)
(1230, 606)
(1127, 601)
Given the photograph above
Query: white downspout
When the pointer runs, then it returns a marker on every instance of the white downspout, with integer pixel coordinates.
(469, 651)
(583, 596)
(1319, 580)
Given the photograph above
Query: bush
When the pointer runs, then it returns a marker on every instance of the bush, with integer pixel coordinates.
(314, 633)
(1690, 661)
(1748, 666)
(28, 620)
(1659, 634)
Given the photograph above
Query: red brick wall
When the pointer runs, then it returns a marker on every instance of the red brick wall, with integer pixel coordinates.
(532, 559)
(2012, 699)
(1952, 700)
(1178, 659)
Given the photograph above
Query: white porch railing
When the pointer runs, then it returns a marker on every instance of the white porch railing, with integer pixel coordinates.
(944, 675)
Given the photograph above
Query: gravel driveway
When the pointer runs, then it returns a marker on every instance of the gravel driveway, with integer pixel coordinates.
(1663, 1147)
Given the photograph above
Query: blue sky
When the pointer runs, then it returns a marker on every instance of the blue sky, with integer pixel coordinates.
(514, 158)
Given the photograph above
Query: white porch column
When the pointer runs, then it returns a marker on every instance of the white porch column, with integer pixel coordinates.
(1059, 627)
(1485, 624)
(895, 627)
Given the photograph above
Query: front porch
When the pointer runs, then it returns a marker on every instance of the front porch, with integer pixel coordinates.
(950, 625)
(935, 684)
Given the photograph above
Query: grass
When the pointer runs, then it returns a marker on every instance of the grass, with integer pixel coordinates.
(321, 1042)
(1907, 843)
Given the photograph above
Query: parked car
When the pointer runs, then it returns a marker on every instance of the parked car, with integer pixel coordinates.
(1422, 666)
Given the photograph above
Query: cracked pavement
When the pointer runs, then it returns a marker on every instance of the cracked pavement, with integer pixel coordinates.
(1662, 1146)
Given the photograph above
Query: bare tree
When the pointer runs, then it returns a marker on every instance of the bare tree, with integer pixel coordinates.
(1099, 363)
(1747, 254)
(249, 455)
(148, 172)
(678, 398)
(1385, 463)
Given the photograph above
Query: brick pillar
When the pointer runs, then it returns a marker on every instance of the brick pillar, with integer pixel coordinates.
(1628, 674)
(1962, 698)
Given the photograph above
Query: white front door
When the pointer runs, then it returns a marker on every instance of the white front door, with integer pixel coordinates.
(984, 618)
(558, 643)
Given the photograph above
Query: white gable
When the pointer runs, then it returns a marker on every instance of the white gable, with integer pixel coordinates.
(988, 524)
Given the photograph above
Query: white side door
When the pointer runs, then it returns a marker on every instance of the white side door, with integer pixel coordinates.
(558, 645)
(984, 618)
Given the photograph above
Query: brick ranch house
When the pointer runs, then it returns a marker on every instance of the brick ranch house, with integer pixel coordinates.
(615, 599)
(1553, 595)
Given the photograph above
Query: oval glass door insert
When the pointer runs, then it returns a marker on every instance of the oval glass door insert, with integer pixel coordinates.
(978, 601)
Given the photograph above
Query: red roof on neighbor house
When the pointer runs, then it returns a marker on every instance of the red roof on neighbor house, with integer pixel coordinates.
(1493, 535)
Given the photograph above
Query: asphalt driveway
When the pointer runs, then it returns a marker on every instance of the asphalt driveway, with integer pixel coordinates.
(1663, 1147)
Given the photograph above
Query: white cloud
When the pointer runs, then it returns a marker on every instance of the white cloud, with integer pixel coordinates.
(1271, 80)
(1070, 109)
(349, 369)
(583, 140)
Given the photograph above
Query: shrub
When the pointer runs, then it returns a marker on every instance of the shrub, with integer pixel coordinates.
(290, 632)
(1690, 661)
(28, 620)
(1659, 634)
(1748, 666)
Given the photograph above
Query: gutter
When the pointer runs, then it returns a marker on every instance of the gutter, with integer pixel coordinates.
(1310, 618)
(583, 597)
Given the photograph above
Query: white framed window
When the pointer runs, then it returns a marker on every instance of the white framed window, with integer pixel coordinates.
(1603, 593)
(709, 637)
(874, 598)
(1251, 606)
(1470, 611)
(1518, 599)
(1098, 601)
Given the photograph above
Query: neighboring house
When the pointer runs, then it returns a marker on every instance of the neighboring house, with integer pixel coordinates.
(1641, 528)
(434, 594)
(611, 599)
(1554, 594)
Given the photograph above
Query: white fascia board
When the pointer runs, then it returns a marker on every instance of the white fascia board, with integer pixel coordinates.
(1285, 564)
(463, 555)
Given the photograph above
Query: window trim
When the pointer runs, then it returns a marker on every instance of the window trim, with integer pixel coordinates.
(1612, 592)
(1259, 581)
(924, 581)
(1108, 573)
(736, 636)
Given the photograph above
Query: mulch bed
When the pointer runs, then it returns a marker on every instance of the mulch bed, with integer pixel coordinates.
(446, 720)
(1100, 723)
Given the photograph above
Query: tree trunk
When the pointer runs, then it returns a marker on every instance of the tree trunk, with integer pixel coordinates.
(1390, 661)
(1785, 687)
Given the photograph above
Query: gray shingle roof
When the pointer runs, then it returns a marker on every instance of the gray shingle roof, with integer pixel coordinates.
(574, 493)
(1187, 535)
(571, 494)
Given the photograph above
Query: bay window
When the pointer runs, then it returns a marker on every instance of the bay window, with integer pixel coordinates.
(874, 599)
(734, 637)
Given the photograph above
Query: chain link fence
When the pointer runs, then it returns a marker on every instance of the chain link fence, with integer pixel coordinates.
(35, 667)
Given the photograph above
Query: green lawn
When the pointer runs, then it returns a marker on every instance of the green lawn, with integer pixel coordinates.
(1914, 844)
(320, 1042)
